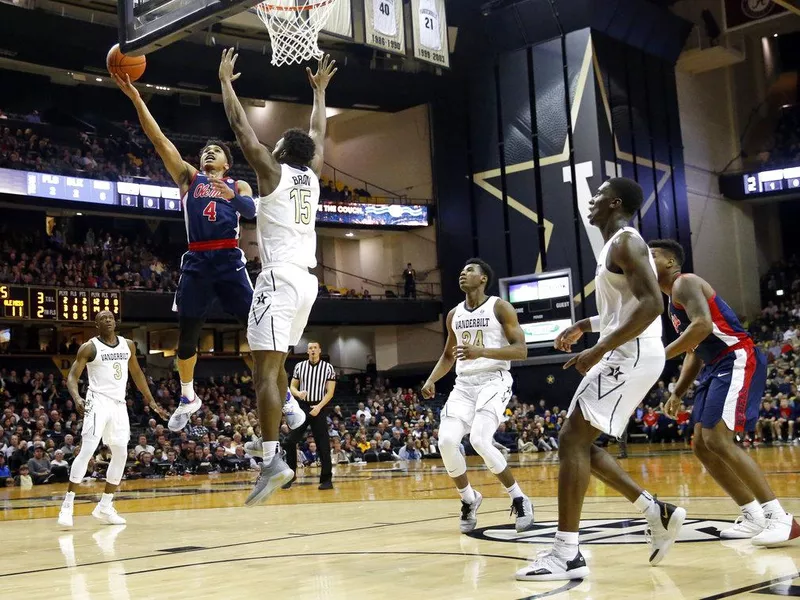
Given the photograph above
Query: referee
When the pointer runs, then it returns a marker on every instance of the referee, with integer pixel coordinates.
(313, 384)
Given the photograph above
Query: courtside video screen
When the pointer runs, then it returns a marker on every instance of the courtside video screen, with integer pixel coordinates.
(543, 302)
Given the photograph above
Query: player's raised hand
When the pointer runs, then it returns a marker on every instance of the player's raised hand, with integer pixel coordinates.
(567, 338)
(126, 86)
(227, 66)
(222, 188)
(428, 390)
(325, 72)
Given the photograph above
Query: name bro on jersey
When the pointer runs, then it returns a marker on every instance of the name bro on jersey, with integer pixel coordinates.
(206, 190)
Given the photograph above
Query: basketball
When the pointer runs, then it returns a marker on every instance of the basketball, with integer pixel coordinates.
(119, 64)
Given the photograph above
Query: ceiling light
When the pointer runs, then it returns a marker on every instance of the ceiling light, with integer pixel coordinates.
(98, 79)
(349, 234)
(78, 214)
(774, 35)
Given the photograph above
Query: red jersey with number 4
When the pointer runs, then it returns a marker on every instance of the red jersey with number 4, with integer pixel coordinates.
(209, 217)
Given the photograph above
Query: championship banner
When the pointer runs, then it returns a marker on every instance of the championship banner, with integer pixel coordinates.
(430, 32)
(384, 25)
(340, 21)
(742, 13)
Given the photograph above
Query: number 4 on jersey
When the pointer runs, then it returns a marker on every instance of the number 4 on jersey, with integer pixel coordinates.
(210, 211)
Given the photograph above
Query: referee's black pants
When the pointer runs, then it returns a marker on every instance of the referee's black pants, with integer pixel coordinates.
(319, 427)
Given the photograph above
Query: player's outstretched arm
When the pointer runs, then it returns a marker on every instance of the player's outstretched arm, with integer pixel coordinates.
(319, 119)
(687, 291)
(180, 171)
(446, 360)
(86, 354)
(141, 382)
(259, 158)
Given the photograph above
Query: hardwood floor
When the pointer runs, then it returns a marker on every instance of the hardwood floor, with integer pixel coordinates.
(385, 529)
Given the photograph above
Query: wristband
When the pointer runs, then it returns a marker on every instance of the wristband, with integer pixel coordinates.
(594, 323)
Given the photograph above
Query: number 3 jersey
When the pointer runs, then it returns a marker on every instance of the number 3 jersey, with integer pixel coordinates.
(108, 372)
(479, 327)
(286, 220)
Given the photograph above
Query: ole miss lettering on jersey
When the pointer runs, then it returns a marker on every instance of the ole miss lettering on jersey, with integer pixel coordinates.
(208, 216)
(727, 332)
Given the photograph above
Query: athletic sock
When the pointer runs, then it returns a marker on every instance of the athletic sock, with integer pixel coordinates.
(270, 450)
(565, 545)
(69, 499)
(514, 491)
(644, 501)
(773, 509)
(467, 494)
(753, 510)
(187, 389)
(105, 499)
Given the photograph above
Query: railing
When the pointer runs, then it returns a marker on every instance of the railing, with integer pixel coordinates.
(426, 289)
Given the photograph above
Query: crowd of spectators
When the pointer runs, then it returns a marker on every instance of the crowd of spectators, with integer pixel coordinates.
(100, 260)
(786, 148)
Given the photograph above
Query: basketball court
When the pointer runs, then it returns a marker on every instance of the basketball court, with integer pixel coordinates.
(386, 529)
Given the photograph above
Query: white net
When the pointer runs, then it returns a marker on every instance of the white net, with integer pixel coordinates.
(294, 27)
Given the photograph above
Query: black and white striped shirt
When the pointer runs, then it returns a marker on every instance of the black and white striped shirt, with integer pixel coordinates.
(313, 379)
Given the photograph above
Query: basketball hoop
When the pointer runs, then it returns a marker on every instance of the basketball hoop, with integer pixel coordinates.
(293, 27)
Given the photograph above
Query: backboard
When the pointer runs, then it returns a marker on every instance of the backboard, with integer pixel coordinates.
(147, 25)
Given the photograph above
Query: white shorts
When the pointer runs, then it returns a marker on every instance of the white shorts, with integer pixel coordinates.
(282, 303)
(487, 392)
(614, 387)
(106, 418)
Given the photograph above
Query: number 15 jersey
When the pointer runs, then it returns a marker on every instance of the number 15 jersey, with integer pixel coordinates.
(479, 327)
(286, 220)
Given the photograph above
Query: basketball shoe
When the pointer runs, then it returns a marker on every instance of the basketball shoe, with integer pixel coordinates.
(186, 408)
(745, 527)
(664, 522)
(548, 566)
(65, 514)
(107, 514)
(272, 476)
(469, 513)
(780, 530)
(523, 508)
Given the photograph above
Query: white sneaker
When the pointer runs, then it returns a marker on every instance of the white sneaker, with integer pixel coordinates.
(523, 508)
(780, 530)
(254, 448)
(65, 515)
(665, 521)
(469, 514)
(744, 528)
(180, 418)
(108, 515)
(549, 567)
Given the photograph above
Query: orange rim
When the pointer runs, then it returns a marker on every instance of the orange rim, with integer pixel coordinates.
(273, 7)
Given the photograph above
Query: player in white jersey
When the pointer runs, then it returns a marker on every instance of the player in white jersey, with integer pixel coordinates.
(288, 186)
(430, 34)
(109, 358)
(483, 337)
(618, 372)
(384, 18)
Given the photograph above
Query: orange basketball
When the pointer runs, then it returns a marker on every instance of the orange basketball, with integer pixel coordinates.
(119, 64)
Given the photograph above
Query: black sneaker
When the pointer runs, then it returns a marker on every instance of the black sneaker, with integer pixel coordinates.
(665, 521)
(325, 485)
(469, 514)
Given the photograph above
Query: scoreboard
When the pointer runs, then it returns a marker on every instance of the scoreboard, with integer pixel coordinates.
(57, 304)
(543, 303)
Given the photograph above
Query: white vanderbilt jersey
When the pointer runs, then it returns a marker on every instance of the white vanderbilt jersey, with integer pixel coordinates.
(615, 300)
(479, 327)
(430, 34)
(384, 18)
(108, 372)
(286, 220)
